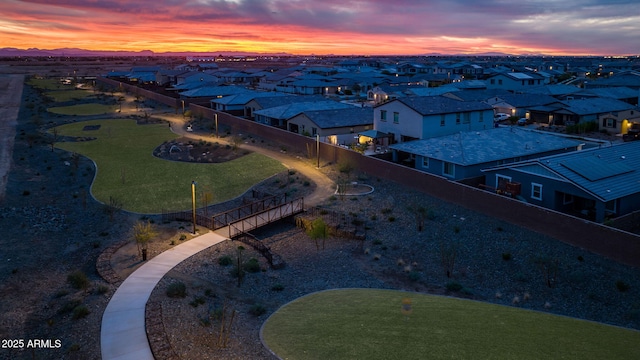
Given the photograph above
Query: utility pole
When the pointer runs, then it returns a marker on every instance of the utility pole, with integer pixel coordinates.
(193, 204)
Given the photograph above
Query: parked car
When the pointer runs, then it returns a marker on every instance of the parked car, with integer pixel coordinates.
(500, 117)
(522, 121)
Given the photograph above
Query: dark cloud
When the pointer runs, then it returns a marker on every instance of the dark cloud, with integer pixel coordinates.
(574, 24)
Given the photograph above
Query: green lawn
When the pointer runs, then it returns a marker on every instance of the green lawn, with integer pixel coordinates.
(49, 84)
(370, 324)
(83, 109)
(128, 171)
(68, 95)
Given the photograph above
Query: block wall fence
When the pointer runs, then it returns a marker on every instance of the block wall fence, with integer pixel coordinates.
(610, 242)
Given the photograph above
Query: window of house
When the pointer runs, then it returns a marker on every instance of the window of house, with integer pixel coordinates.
(442, 120)
(481, 119)
(536, 191)
(314, 131)
(609, 123)
(425, 162)
(499, 81)
(448, 169)
(383, 115)
(567, 199)
(457, 118)
(610, 207)
(493, 81)
(501, 181)
(466, 118)
(396, 117)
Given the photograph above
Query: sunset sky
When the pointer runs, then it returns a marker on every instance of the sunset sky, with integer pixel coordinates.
(341, 27)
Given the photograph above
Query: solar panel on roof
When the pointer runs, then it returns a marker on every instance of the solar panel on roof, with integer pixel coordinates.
(594, 169)
(520, 75)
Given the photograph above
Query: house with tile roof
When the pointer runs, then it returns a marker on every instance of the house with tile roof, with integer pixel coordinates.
(420, 117)
(336, 126)
(463, 155)
(276, 99)
(515, 81)
(279, 116)
(518, 104)
(596, 183)
(575, 111)
(235, 104)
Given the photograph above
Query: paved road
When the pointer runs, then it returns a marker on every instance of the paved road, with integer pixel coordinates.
(10, 98)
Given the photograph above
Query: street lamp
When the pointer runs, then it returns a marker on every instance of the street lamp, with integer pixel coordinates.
(318, 149)
(193, 204)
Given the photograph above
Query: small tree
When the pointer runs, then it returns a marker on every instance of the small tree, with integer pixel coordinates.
(142, 233)
(112, 207)
(239, 268)
(318, 230)
(448, 254)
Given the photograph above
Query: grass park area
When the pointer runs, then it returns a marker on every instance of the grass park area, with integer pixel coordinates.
(376, 324)
(69, 95)
(129, 173)
(83, 109)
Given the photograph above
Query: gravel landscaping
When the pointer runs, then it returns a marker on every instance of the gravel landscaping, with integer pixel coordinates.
(52, 228)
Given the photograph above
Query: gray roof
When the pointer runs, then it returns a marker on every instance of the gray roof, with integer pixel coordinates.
(479, 147)
(607, 173)
(211, 91)
(335, 118)
(290, 110)
(279, 100)
(245, 97)
(595, 106)
(479, 95)
(618, 92)
(553, 90)
(434, 105)
(527, 100)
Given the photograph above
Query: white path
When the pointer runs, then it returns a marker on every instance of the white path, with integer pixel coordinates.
(123, 335)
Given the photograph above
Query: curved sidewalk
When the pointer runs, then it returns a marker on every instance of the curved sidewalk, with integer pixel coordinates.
(123, 334)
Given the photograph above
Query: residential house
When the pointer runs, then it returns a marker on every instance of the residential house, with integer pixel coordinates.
(618, 122)
(421, 117)
(571, 112)
(596, 184)
(515, 81)
(235, 104)
(204, 95)
(518, 104)
(276, 99)
(278, 116)
(465, 154)
(336, 126)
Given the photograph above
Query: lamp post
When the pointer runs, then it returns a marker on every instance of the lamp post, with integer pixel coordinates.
(193, 204)
(318, 149)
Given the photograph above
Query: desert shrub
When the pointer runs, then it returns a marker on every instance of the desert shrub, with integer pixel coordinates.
(252, 266)
(506, 256)
(69, 305)
(78, 280)
(377, 242)
(225, 260)
(277, 287)
(102, 289)
(197, 300)
(414, 276)
(454, 286)
(257, 310)
(80, 311)
(622, 286)
(391, 218)
(183, 237)
(177, 290)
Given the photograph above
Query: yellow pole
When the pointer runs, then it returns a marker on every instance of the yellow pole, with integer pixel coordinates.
(193, 204)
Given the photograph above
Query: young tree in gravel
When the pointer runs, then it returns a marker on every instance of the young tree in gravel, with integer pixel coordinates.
(239, 268)
(142, 233)
(549, 269)
(226, 322)
(448, 254)
(54, 132)
(112, 207)
(318, 230)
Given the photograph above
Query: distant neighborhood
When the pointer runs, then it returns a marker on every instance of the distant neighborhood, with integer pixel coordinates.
(554, 132)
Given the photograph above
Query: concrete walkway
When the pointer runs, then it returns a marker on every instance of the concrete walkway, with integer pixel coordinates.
(123, 334)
